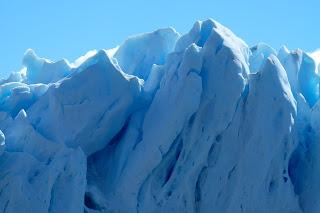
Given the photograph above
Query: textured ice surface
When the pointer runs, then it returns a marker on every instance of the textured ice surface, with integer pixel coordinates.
(163, 123)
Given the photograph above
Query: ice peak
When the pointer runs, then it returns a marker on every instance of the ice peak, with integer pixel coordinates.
(138, 53)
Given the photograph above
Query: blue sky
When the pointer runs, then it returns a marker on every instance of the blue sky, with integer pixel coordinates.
(67, 28)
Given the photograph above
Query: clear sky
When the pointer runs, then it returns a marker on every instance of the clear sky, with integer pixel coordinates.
(68, 28)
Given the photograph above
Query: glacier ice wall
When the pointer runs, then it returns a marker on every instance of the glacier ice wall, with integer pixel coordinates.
(163, 123)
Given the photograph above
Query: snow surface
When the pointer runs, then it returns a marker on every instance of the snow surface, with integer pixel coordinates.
(163, 123)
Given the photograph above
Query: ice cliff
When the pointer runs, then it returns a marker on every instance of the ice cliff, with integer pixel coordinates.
(163, 123)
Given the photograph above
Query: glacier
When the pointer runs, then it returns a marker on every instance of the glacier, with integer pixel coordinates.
(164, 122)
